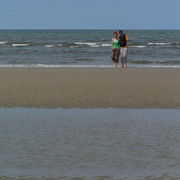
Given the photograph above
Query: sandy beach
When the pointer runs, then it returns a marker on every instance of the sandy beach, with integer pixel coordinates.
(90, 87)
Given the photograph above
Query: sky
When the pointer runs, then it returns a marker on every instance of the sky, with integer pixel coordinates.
(90, 14)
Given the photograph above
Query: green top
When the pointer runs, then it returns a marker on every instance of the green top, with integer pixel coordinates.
(116, 44)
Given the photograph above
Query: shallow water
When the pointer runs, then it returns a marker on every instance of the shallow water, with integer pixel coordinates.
(89, 144)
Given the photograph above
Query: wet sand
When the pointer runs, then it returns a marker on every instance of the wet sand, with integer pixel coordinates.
(90, 87)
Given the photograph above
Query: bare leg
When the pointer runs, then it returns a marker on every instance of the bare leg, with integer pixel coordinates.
(115, 64)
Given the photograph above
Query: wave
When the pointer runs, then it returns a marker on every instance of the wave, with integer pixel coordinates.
(49, 46)
(106, 45)
(63, 44)
(177, 62)
(85, 44)
(161, 44)
(168, 62)
(3, 42)
(19, 45)
(140, 46)
(88, 43)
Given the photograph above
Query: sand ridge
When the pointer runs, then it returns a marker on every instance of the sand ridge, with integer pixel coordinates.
(90, 87)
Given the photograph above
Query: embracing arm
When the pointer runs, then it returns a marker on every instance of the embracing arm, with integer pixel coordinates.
(127, 44)
(126, 41)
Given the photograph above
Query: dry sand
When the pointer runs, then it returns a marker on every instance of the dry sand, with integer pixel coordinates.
(90, 87)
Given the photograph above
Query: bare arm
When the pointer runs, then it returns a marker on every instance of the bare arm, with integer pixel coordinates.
(127, 44)
(112, 44)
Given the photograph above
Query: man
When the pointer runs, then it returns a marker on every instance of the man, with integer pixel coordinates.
(123, 41)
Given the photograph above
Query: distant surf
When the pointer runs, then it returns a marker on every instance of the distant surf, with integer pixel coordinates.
(86, 48)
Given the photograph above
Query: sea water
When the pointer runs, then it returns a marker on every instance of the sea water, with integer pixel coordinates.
(86, 48)
(96, 144)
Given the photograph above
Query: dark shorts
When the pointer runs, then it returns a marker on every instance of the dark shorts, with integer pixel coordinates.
(115, 55)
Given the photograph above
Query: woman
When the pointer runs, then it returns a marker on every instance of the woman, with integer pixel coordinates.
(115, 49)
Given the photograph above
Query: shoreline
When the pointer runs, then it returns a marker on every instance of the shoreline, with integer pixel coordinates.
(91, 87)
(87, 66)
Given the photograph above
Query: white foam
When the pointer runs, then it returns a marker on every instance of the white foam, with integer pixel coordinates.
(71, 65)
(106, 45)
(82, 66)
(53, 66)
(79, 43)
(3, 42)
(92, 44)
(95, 46)
(88, 43)
(49, 46)
(20, 45)
(60, 45)
(138, 46)
(159, 44)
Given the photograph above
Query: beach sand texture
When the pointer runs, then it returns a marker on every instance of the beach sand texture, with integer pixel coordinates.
(90, 87)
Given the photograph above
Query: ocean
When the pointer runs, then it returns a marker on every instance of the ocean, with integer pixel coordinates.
(86, 48)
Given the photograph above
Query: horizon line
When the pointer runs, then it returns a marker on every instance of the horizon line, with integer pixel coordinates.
(80, 29)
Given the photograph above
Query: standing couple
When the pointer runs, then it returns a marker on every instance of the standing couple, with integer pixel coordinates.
(119, 45)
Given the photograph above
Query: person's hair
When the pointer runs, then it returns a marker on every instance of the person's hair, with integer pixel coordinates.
(114, 33)
(120, 31)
